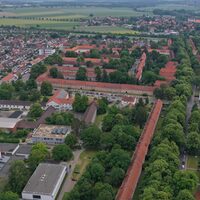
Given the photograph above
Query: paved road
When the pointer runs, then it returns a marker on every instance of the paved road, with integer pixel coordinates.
(68, 184)
(190, 105)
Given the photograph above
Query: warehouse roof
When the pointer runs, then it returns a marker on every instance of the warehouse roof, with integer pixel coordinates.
(44, 179)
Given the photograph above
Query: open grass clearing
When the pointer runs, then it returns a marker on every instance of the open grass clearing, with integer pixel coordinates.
(192, 162)
(3, 182)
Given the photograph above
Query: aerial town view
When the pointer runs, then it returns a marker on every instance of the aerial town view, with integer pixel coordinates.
(99, 100)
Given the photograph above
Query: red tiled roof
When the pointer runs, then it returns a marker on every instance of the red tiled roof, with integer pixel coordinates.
(128, 98)
(169, 42)
(60, 100)
(169, 71)
(158, 83)
(141, 66)
(95, 85)
(197, 20)
(71, 71)
(130, 181)
(8, 78)
(81, 47)
(197, 196)
(161, 51)
(93, 60)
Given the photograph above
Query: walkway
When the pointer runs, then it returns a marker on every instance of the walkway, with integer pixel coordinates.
(68, 184)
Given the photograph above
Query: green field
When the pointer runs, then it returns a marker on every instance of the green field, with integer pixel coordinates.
(27, 23)
(72, 12)
(170, 7)
(60, 25)
(52, 18)
(105, 29)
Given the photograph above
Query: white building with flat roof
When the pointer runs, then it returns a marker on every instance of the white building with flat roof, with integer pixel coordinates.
(51, 134)
(45, 182)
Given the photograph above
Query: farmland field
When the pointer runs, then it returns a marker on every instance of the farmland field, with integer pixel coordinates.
(59, 25)
(63, 25)
(171, 7)
(106, 29)
(72, 12)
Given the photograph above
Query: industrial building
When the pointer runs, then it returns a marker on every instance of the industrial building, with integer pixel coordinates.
(45, 182)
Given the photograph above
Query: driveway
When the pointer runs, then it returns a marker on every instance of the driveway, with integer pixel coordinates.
(68, 184)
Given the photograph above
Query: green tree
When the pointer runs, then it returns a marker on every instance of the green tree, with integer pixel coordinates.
(118, 158)
(140, 115)
(46, 88)
(19, 175)
(81, 74)
(62, 152)
(53, 72)
(36, 70)
(91, 137)
(98, 73)
(80, 103)
(71, 140)
(193, 143)
(8, 196)
(185, 195)
(35, 110)
(174, 132)
(30, 84)
(39, 153)
(96, 171)
(102, 106)
(185, 180)
(35, 95)
(116, 176)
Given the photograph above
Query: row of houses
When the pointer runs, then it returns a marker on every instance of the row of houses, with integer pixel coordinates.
(124, 89)
(69, 73)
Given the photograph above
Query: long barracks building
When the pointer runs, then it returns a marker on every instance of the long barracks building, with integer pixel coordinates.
(97, 86)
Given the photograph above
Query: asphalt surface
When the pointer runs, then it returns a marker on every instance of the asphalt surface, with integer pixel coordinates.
(68, 184)
(190, 104)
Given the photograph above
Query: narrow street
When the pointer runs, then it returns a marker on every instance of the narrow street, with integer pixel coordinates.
(190, 104)
(68, 184)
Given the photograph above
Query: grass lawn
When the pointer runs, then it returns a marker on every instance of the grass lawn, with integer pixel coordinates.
(192, 162)
(2, 183)
(99, 119)
(84, 160)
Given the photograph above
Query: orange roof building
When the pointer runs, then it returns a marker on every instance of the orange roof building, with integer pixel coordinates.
(169, 71)
(70, 72)
(61, 100)
(9, 78)
(131, 179)
(140, 67)
(96, 86)
(95, 61)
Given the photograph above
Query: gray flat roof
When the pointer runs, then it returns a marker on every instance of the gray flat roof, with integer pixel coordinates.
(44, 179)
(8, 147)
(8, 122)
(24, 149)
